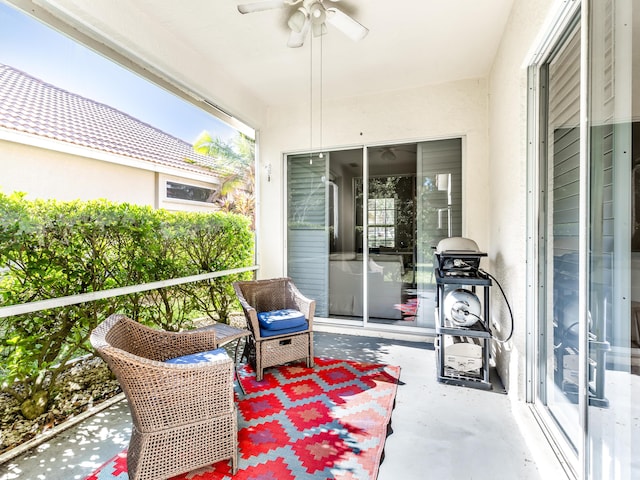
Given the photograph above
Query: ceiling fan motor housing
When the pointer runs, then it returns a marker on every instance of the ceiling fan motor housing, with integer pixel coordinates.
(317, 13)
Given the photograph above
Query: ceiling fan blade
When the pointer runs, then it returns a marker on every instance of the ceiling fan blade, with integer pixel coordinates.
(296, 39)
(347, 25)
(261, 6)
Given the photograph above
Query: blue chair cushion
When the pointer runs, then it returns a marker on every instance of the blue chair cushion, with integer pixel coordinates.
(281, 319)
(280, 322)
(272, 333)
(200, 357)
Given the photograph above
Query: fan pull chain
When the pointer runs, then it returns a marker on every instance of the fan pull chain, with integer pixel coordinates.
(311, 101)
(321, 58)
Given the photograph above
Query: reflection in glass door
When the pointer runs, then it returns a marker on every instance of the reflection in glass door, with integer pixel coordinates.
(613, 381)
(346, 278)
(589, 265)
(389, 222)
(322, 255)
(439, 214)
(559, 238)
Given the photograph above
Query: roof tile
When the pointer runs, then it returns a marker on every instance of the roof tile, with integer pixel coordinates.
(31, 106)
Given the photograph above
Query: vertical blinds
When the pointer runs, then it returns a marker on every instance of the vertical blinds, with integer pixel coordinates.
(307, 228)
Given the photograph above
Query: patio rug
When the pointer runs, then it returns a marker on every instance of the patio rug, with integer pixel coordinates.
(329, 422)
(409, 309)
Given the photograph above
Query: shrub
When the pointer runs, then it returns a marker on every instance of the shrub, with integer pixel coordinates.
(51, 249)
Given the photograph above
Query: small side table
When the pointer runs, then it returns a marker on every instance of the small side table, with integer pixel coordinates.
(227, 334)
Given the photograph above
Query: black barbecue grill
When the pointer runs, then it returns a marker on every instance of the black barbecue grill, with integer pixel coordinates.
(458, 256)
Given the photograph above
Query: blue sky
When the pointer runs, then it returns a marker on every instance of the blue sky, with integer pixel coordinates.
(30, 46)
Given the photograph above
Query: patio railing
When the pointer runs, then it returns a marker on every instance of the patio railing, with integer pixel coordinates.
(11, 310)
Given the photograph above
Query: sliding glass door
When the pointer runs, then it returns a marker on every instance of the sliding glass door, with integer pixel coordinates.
(589, 242)
(360, 235)
(560, 237)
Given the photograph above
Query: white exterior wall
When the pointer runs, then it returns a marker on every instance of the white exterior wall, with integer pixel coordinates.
(456, 109)
(508, 174)
(47, 173)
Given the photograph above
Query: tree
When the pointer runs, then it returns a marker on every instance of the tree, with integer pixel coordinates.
(237, 162)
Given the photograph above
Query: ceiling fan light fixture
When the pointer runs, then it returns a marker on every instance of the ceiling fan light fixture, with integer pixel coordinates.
(296, 39)
(297, 20)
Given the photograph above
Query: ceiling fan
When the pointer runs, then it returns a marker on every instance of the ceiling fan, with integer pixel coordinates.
(310, 15)
(390, 153)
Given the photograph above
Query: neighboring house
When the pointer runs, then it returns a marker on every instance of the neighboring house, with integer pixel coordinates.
(47, 132)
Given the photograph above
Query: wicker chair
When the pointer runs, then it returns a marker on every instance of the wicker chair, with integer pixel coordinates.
(184, 415)
(274, 294)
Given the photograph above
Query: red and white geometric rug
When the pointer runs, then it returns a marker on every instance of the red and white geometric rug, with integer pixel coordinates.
(327, 422)
(409, 309)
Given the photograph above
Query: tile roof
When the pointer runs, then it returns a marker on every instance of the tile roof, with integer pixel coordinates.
(31, 106)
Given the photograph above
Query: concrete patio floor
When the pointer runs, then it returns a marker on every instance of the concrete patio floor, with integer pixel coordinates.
(439, 431)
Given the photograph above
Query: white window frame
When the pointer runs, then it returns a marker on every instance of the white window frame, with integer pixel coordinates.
(170, 203)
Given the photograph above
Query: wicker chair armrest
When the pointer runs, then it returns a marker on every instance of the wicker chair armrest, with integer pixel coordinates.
(250, 313)
(304, 304)
(123, 360)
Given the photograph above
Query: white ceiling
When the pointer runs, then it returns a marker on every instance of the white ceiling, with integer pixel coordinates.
(411, 43)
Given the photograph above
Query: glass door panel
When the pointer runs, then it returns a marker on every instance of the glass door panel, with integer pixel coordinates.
(344, 228)
(613, 379)
(559, 239)
(346, 281)
(390, 227)
(308, 227)
(439, 215)
(322, 253)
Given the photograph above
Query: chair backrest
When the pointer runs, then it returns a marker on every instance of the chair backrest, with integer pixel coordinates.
(267, 295)
(119, 331)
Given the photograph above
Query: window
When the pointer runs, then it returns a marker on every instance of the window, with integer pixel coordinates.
(182, 191)
(381, 222)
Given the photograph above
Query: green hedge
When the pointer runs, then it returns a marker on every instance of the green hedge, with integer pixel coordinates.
(51, 249)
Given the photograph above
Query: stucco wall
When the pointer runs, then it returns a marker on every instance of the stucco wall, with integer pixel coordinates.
(46, 173)
(507, 171)
(49, 174)
(430, 112)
